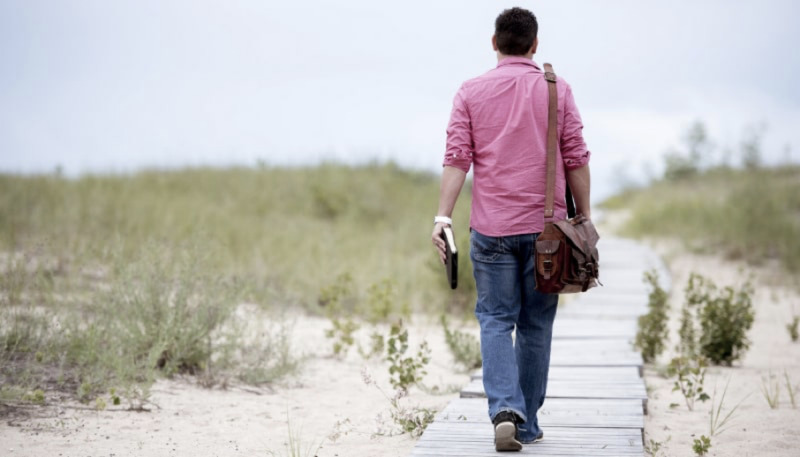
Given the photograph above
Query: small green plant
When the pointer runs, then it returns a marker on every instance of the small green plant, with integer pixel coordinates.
(337, 299)
(790, 388)
(701, 445)
(377, 344)
(717, 422)
(115, 400)
(725, 316)
(407, 419)
(35, 397)
(792, 328)
(268, 357)
(338, 296)
(652, 332)
(293, 446)
(381, 303)
(771, 390)
(412, 420)
(342, 335)
(405, 371)
(691, 374)
(653, 447)
(465, 348)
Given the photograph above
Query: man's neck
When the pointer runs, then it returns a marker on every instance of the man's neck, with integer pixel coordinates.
(501, 56)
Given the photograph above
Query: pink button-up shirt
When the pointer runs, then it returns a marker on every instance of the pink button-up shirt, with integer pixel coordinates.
(499, 127)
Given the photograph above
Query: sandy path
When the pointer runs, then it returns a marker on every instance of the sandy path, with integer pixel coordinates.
(245, 421)
(755, 429)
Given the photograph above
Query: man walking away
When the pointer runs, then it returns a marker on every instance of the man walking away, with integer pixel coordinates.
(498, 126)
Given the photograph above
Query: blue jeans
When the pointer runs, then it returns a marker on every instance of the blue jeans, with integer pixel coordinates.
(514, 373)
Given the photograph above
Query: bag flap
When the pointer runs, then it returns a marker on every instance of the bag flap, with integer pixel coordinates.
(581, 233)
(547, 246)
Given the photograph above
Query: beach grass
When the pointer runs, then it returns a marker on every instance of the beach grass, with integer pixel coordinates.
(749, 214)
(112, 281)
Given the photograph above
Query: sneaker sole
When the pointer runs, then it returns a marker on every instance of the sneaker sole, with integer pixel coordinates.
(505, 437)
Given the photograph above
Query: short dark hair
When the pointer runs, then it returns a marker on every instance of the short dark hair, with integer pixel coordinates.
(516, 30)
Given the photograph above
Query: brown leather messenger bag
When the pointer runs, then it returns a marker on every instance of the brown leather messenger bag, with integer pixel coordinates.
(566, 250)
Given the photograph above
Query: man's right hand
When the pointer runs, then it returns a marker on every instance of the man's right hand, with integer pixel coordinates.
(438, 242)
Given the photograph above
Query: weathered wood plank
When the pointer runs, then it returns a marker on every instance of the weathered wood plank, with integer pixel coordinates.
(578, 389)
(590, 353)
(613, 311)
(577, 328)
(465, 440)
(577, 372)
(557, 412)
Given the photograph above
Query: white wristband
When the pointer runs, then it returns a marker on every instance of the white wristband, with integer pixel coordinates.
(443, 219)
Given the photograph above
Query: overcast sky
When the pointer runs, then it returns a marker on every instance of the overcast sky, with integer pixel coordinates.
(96, 86)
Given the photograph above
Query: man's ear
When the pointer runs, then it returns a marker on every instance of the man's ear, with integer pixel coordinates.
(535, 45)
(494, 42)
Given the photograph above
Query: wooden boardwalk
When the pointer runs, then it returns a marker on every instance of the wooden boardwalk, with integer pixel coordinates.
(596, 398)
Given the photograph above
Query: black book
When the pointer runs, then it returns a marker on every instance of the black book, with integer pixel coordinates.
(451, 264)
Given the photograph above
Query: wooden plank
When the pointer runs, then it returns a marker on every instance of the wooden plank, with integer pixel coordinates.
(577, 328)
(476, 440)
(557, 373)
(557, 412)
(601, 312)
(634, 390)
(601, 352)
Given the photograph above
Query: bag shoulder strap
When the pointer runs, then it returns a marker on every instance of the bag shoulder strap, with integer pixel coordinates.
(552, 140)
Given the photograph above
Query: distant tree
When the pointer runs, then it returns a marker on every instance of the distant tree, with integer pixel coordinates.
(750, 146)
(684, 164)
(697, 144)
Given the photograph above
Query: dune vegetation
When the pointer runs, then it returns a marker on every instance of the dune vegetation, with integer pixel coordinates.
(749, 212)
(111, 281)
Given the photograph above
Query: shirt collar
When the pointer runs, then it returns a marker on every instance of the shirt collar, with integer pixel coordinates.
(517, 60)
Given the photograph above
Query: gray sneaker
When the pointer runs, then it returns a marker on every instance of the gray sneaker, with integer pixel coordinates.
(505, 432)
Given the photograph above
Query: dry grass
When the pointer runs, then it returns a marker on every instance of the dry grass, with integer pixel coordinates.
(112, 281)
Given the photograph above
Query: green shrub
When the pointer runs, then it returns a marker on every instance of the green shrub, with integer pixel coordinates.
(724, 315)
(167, 310)
(652, 331)
(158, 314)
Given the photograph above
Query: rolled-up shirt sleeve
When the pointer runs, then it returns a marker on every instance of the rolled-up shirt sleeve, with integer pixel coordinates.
(573, 148)
(460, 147)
